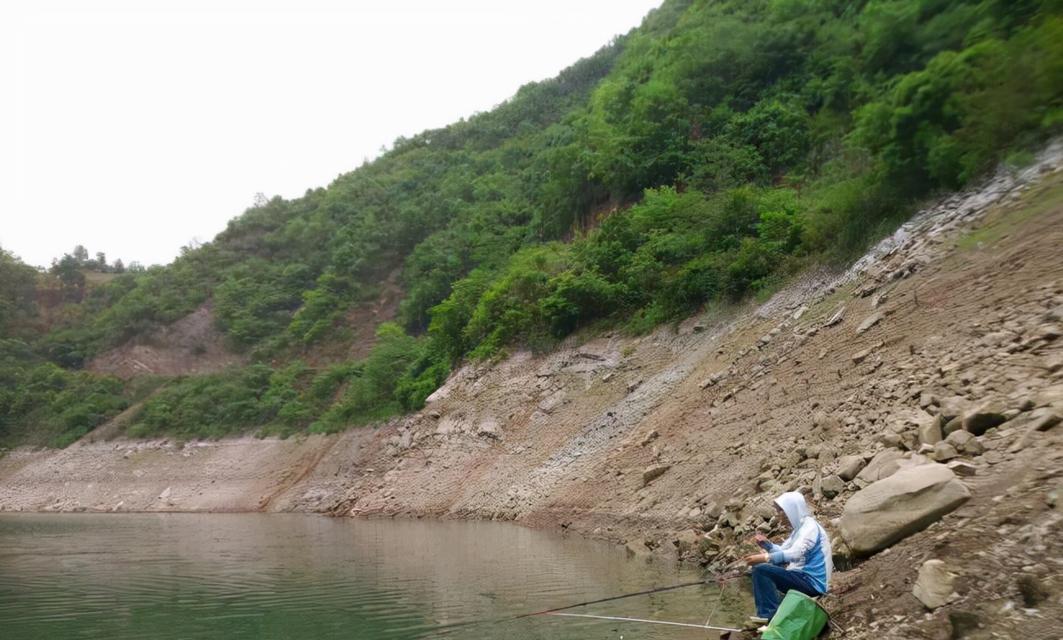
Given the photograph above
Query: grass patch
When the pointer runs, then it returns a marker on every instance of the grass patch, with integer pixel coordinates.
(1005, 220)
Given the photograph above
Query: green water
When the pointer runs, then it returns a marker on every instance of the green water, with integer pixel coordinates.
(164, 576)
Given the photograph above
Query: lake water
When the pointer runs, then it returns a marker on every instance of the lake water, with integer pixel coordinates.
(235, 576)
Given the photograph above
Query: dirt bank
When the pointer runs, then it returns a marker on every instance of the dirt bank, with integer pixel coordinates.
(653, 441)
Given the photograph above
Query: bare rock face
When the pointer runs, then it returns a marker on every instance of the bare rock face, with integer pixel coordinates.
(934, 585)
(898, 506)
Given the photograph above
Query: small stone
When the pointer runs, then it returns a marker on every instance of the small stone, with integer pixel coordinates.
(943, 451)
(952, 407)
(649, 437)
(929, 428)
(1044, 419)
(849, 466)
(832, 486)
(961, 468)
(934, 586)
(869, 322)
(959, 439)
(891, 440)
(1048, 332)
(653, 472)
(955, 424)
(835, 318)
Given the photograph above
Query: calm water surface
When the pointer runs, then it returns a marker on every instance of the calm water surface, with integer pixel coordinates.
(164, 576)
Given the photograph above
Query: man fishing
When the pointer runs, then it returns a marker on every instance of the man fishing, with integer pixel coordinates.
(802, 562)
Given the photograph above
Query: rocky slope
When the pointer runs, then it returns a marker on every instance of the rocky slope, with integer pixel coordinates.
(922, 386)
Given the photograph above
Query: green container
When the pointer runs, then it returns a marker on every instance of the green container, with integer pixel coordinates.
(798, 618)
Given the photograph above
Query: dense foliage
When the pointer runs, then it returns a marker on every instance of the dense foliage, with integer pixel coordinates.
(701, 157)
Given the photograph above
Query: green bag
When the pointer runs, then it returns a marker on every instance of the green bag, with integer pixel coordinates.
(798, 618)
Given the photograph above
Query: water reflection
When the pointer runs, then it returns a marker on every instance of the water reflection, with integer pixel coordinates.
(292, 576)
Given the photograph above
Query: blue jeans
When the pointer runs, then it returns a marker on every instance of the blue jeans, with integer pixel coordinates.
(770, 582)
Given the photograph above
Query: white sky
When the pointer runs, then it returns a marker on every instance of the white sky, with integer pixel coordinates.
(135, 127)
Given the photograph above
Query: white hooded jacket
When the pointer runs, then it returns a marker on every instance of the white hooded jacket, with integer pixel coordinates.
(808, 547)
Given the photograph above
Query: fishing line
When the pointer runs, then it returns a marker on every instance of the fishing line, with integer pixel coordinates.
(719, 579)
(621, 619)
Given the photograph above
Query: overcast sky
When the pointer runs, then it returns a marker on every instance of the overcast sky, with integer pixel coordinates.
(135, 127)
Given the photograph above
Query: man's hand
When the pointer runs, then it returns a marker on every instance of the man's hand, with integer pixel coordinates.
(759, 538)
(757, 558)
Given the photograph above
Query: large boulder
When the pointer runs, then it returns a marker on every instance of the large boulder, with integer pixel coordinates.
(896, 507)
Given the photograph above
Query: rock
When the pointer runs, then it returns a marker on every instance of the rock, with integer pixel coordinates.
(849, 466)
(984, 418)
(488, 428)
(898, 506)
(964, 442)
(961, 468)
(862, 355)
(927, 399)
(891, 440)
(649, 437)
(831, 486)
(1048, 332)
(1054, 363)
(952, 407)
(943, 452)
(883, 465)
(634, 385)
(1031, 589)
(729, 520)
(1043, 419)
(653, 472)
(836, 317)
(934, 586)
(929, 429)
(869, 322)
(955, 424)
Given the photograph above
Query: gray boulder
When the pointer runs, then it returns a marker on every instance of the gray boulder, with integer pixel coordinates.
(898, 506)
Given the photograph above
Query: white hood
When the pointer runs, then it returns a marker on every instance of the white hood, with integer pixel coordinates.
(794, 506)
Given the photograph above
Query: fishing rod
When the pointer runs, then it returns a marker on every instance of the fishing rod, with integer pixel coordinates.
(718, 578)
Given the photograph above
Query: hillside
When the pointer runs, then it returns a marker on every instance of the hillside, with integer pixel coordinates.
(702, 158)
(836, 382)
